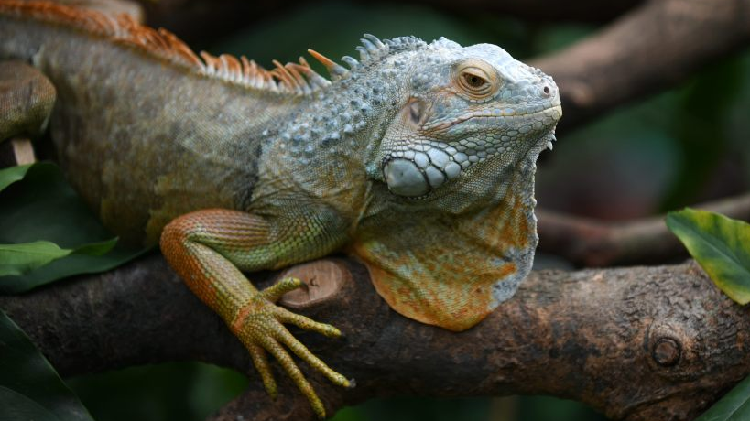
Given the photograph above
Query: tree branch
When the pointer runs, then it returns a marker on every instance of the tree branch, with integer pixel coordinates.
(589, 242)
(657, 46)
(639, 343)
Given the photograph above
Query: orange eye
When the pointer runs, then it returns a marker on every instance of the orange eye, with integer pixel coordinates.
(476, 78)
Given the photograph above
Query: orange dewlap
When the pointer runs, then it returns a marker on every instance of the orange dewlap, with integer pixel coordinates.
(442, 272)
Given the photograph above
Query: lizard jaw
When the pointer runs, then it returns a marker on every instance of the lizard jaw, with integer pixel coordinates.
(414, 173)
(414, 170)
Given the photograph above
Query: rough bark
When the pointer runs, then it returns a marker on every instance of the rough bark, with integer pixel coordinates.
(656, 46)
(638, 343)
(589, 242)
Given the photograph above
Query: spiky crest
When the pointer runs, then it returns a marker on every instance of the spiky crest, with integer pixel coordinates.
(372, 51)
(295, 78)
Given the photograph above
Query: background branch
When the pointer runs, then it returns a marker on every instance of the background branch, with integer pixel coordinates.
(656, 46)
(589, 242)
(640, 343)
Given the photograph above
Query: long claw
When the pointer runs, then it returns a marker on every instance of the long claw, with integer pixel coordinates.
(259, 324)
(264, 369)
(301, 351)
(275, 291)
(295, 374)
(307, 323)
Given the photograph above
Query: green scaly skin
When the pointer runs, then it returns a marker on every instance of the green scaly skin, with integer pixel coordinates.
(418, 158)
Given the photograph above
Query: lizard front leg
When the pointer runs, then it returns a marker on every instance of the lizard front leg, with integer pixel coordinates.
(209, 248)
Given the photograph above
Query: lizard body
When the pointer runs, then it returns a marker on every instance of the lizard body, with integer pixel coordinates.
(419, 159)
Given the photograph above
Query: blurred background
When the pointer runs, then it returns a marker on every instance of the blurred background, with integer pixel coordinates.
(673, 148)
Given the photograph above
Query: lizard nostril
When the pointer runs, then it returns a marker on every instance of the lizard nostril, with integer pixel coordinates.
(546, 90)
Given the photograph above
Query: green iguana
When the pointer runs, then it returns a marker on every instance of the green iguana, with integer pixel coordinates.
(417, 158)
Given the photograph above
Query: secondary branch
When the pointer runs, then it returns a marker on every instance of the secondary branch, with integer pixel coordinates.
(589, 242)
(656, 46)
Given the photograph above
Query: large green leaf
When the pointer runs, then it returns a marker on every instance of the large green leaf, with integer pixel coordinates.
(20, 258)
(30, 389)
(23, 258)
(43, 207)
(10, 175)
(734, 406)
(721, 246)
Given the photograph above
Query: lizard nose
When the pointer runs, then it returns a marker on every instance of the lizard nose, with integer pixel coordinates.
(546, 91)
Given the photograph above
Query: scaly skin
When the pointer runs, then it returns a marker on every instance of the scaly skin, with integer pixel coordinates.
(418, 158)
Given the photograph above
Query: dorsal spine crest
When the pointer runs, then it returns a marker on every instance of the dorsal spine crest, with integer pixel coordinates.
(292, 78)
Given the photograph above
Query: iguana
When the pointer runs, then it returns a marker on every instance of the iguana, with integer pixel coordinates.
(418, 159)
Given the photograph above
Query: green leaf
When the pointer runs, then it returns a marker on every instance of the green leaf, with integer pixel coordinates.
(17, 259)
(10, 175)
(30, 389)
(96, 249)
(720, 245)
(734, 406)
(22, 258)
(43, 207)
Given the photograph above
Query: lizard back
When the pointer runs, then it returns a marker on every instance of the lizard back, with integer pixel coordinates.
(143, 128)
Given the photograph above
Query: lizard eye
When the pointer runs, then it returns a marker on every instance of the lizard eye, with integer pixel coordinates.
(476, 78)
(474, 81)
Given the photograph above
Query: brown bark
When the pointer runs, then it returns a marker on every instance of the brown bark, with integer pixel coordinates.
(589, 242)
(640, 343)
(654, 47)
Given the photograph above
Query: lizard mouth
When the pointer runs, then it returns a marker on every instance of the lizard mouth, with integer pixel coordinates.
(548, 114)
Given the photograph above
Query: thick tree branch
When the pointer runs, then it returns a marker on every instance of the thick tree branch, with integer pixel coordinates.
(638, 344)
(589, 242)
(657, 46)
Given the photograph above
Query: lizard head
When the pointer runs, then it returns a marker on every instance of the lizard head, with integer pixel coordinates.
(465, 119)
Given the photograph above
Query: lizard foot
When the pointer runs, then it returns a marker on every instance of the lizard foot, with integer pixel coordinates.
(259, 325)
